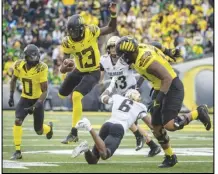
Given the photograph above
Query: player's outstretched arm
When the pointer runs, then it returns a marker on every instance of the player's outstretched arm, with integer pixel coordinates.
(12, 89)
(140, 81)
(172, 53)
(111, 27)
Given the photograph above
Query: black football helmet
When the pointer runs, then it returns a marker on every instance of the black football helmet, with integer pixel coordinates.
(125, 47)
(31, 54)
(76, 27)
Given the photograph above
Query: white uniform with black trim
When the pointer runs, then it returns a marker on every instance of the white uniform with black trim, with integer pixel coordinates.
(126, 78)
(126, 111)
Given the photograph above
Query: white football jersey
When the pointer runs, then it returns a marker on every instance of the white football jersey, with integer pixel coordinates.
(126, 111)
(126, 78)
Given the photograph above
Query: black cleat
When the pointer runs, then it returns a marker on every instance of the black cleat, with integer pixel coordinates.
(154, 151)
(50, 134)
(140, 141)
(17, 155)
(169, 161)
(72, 137)
(203, 116)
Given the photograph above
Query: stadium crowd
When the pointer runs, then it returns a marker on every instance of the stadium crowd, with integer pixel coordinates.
(185, 24)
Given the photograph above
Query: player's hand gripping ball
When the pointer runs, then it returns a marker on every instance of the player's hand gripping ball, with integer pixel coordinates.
(67, 66)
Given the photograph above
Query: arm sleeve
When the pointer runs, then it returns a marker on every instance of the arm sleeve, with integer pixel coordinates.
(44, 74)
(65, 46)
(16, 69)
(95, 30)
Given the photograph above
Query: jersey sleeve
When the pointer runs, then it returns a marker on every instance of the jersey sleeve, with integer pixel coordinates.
(142, 111)
(43, 73)
(65, 45)
(16, 68)
(95, 31)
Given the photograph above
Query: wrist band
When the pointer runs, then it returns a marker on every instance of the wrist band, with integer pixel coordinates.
(113, 16)
(103, 97)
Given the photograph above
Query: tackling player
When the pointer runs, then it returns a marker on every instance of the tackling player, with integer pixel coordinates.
(125, 111)
(123, 78)
(34, 76)
(81, 42)
(150, 62)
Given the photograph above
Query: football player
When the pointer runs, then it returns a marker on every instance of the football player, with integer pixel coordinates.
(34, 77)
(81, 42)
(123, 79)
(125, 111)
(151, 63)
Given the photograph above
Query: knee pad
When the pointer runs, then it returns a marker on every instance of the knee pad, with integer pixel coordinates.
(105, 156)
(179, 123)
(77, 96)
(39, 132)
(18, 122)
(162, 138)
(60, 96)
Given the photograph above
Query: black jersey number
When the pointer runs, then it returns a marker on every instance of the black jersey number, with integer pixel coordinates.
(90, 57)
(126, 105)
(27, 83)
(122, 82)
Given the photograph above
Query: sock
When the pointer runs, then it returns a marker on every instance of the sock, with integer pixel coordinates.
(137, 134)
(46, 129)
(194, 114)
(74, 131)
(168, 151)
(17, 133)
(77, 107)
(151, 144)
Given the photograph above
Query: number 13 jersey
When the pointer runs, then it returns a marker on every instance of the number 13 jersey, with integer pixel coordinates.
(31, 79)
(126, 78)
(86, 51)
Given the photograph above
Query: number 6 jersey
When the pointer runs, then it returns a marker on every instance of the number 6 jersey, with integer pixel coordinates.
(31, 79)
(126, 78)
(126, 111)
(86, 51)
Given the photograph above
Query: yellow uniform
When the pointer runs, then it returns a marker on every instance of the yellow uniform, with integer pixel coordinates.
(31, 79)
(86, 51)
(146, 55)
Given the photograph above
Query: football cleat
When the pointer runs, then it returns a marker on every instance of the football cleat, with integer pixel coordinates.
(50, 134)
(84, 123)
(83, 147)
(203, 116)
(70, 138)
(169, 161)
(154, 151)
(16, 155)
(140, 141)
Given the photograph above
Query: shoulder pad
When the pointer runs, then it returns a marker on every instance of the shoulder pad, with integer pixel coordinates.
(17, 64)
(64, 42)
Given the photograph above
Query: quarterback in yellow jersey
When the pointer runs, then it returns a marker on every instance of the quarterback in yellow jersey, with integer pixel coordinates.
(34, 77)
(82, 44)
(150, 62)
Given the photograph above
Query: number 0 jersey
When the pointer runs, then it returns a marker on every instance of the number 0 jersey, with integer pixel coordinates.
(31, 79)
(146, 55)
(126, 112)
(86, 51)
(126, 78)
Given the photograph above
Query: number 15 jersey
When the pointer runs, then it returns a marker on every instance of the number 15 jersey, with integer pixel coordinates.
(31, 79)
(86, 51)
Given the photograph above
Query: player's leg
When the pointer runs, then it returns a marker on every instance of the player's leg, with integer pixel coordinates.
(70, 82)
(154, 148)
(39, 127)
(20, 115)
(93, 156)
(86, 84)
(113, 140)
(138, 135)
(172, 105)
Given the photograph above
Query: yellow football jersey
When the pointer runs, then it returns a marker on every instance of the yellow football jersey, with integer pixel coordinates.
(31, 79)
(146, 55)
(86, 51)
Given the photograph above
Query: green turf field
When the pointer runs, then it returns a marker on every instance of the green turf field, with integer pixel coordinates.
(193, 146)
